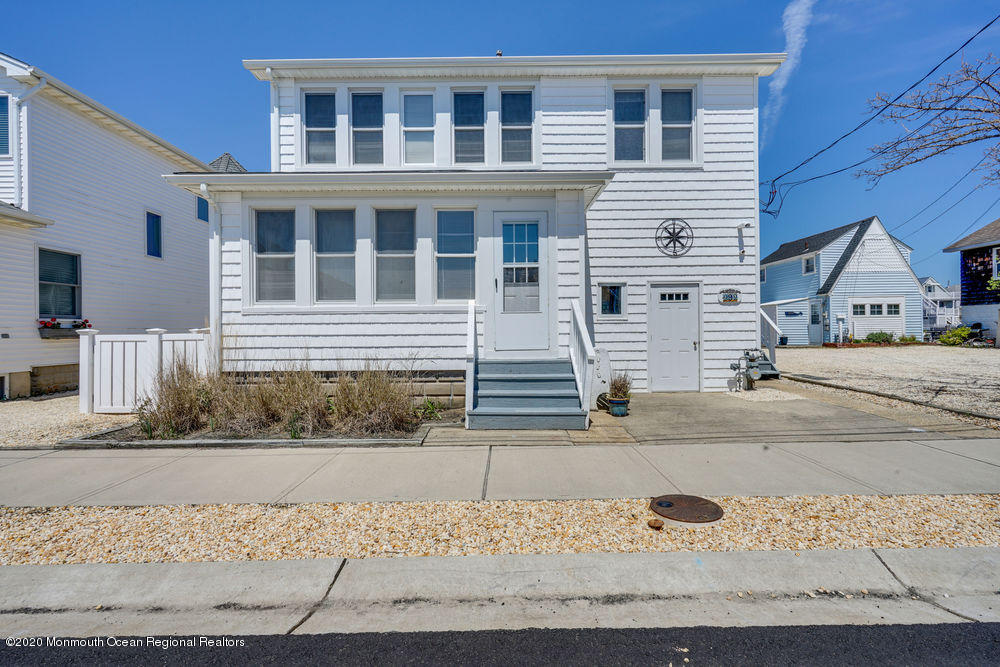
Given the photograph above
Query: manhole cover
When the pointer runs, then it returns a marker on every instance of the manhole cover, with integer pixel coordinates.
(690, 511)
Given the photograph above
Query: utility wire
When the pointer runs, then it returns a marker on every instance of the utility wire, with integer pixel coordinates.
(773, 187)
(941, 196)
(962, 233)
(923, 226)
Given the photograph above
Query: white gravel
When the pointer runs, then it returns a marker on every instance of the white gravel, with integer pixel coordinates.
(952, 377)
(45, 420)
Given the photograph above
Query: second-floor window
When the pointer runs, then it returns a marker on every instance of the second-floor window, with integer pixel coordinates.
(366, 123)
(808, 265)
(515, 126)
(418, 129)
(630, 125)
(321, 128)
(677, 118)
(4, 125)
(470, 127)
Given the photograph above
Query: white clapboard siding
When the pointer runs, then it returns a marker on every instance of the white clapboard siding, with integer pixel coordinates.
(96, 186)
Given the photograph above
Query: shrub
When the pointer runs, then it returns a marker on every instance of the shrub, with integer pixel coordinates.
(907, 339)
(879, 337)
(620, 386)
(374, 400)
(177, 404)
(955, 336)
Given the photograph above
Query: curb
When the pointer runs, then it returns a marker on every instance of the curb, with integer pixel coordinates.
(925, 404)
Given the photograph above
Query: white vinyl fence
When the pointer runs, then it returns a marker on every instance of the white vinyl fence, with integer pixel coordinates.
(117, 370)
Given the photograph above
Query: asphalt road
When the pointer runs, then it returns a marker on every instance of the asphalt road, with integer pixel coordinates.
(957, 644)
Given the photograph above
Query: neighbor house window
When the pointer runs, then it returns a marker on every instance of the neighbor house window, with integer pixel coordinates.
(4, 125)
(456, 255)
(892, 309)
(809, 265)
(395, 252)
(470, 121)
(515, 126)
(677, 118)
(366, 121)
(875, 309)
(858, 309)
(944, 304)
(274, 251)
(996, 262)
(763, 275)
(321, 128)
(154, 235)
(418, 129)
(611, 299)
(335, 245)
(630, 125)
(202, 208)
(58, 284)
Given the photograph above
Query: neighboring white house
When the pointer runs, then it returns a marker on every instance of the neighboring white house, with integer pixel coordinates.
(942, 304)
(88, 229)
(576, 200)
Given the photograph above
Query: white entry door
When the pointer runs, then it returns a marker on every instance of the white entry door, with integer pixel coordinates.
(521, 301)
(815, 322)
(674, 338)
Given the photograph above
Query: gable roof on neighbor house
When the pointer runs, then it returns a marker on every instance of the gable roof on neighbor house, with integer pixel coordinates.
(74, 99)
(227, 164)
(862, 229)
(984, 236)
(816, 242)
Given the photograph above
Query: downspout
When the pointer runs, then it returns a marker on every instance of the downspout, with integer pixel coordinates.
(214, 276)
(16, 148)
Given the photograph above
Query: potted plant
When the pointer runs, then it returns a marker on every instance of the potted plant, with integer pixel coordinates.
(619, 392)
(52, 328)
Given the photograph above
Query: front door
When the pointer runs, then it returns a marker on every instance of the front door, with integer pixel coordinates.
(521, 283)
(674, 338)
(815, 322)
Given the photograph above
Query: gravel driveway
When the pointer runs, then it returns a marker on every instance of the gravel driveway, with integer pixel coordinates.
(952, 377)
(45, 420)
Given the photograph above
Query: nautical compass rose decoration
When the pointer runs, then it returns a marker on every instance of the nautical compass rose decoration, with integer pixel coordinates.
(674, 237)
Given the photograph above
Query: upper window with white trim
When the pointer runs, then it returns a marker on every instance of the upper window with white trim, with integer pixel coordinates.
(630, 125)
(321, 128)
(677, 120)
(808, 265)
(367, 121)
(418, 128)
(515, 126)
(469, 116)
(4, 124)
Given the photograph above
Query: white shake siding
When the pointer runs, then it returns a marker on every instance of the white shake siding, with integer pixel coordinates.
(8, 163)
(716, 200)
(288, 119)
(96, 186)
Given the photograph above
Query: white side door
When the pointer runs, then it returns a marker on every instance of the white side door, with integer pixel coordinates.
(521, 283)
(674, 338)
(815, 322)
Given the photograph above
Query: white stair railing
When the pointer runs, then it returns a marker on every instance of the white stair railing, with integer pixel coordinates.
(582, 356)
(471, 349)
(769, 333)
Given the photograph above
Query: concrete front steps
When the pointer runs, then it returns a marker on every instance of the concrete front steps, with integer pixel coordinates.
(526, 394)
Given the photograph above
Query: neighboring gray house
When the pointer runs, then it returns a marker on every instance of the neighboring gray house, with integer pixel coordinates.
(851, 280)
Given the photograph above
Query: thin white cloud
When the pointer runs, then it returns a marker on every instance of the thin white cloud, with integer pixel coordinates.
(794, 21)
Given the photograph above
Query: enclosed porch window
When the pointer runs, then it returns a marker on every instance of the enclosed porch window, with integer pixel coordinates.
(456, 255)
(274, 252)
(335, 247)
(395, 255)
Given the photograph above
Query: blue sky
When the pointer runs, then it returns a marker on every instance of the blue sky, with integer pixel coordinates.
(175, 68)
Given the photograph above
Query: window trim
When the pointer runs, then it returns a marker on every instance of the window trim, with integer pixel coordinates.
(614, 125)
(996, 262)
(403, 129)
(692, 125)
(806, 259)
(653, 149)
(145, 219)
(306, 129)
(350, 122)
(475, 247)
(600, 314)
(317, 255)
(6, 100)
(78, 286)
(376, 254)
(455, 128)
(530, 126)
(255, 300)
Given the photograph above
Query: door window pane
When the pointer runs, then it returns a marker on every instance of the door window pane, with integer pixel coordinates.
(520, 290)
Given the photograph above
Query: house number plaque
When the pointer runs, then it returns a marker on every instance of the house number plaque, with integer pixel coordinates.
(730, 297)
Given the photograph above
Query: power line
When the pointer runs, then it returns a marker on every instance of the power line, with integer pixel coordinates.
(941, 196)
(773, 189)
(923, 226)
(962, 233)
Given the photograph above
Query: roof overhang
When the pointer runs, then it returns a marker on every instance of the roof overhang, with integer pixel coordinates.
(13, 215)
(394, 181)
(29, 75)
(972, 246)
(760, 64)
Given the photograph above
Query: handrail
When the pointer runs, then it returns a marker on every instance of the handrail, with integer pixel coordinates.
(582, 356)
(471, 347)
(770, 322)
(772, 339)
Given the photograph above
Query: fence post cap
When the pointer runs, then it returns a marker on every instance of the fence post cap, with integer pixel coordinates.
(87, 332)
(202, 330)
(156, 331)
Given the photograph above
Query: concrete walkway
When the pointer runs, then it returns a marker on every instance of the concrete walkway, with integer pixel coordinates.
(861, 586)
(147, 477)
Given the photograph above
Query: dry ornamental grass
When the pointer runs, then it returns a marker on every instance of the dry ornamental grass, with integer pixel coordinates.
(367, 530)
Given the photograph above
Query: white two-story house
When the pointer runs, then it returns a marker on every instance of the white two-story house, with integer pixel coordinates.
(494, 218)
(88, 230)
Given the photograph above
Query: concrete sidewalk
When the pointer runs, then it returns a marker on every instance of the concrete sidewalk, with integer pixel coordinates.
(152, 477)
(487, 592)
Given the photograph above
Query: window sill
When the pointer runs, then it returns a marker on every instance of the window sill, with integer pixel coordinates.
(664, 166)
(327, 309)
